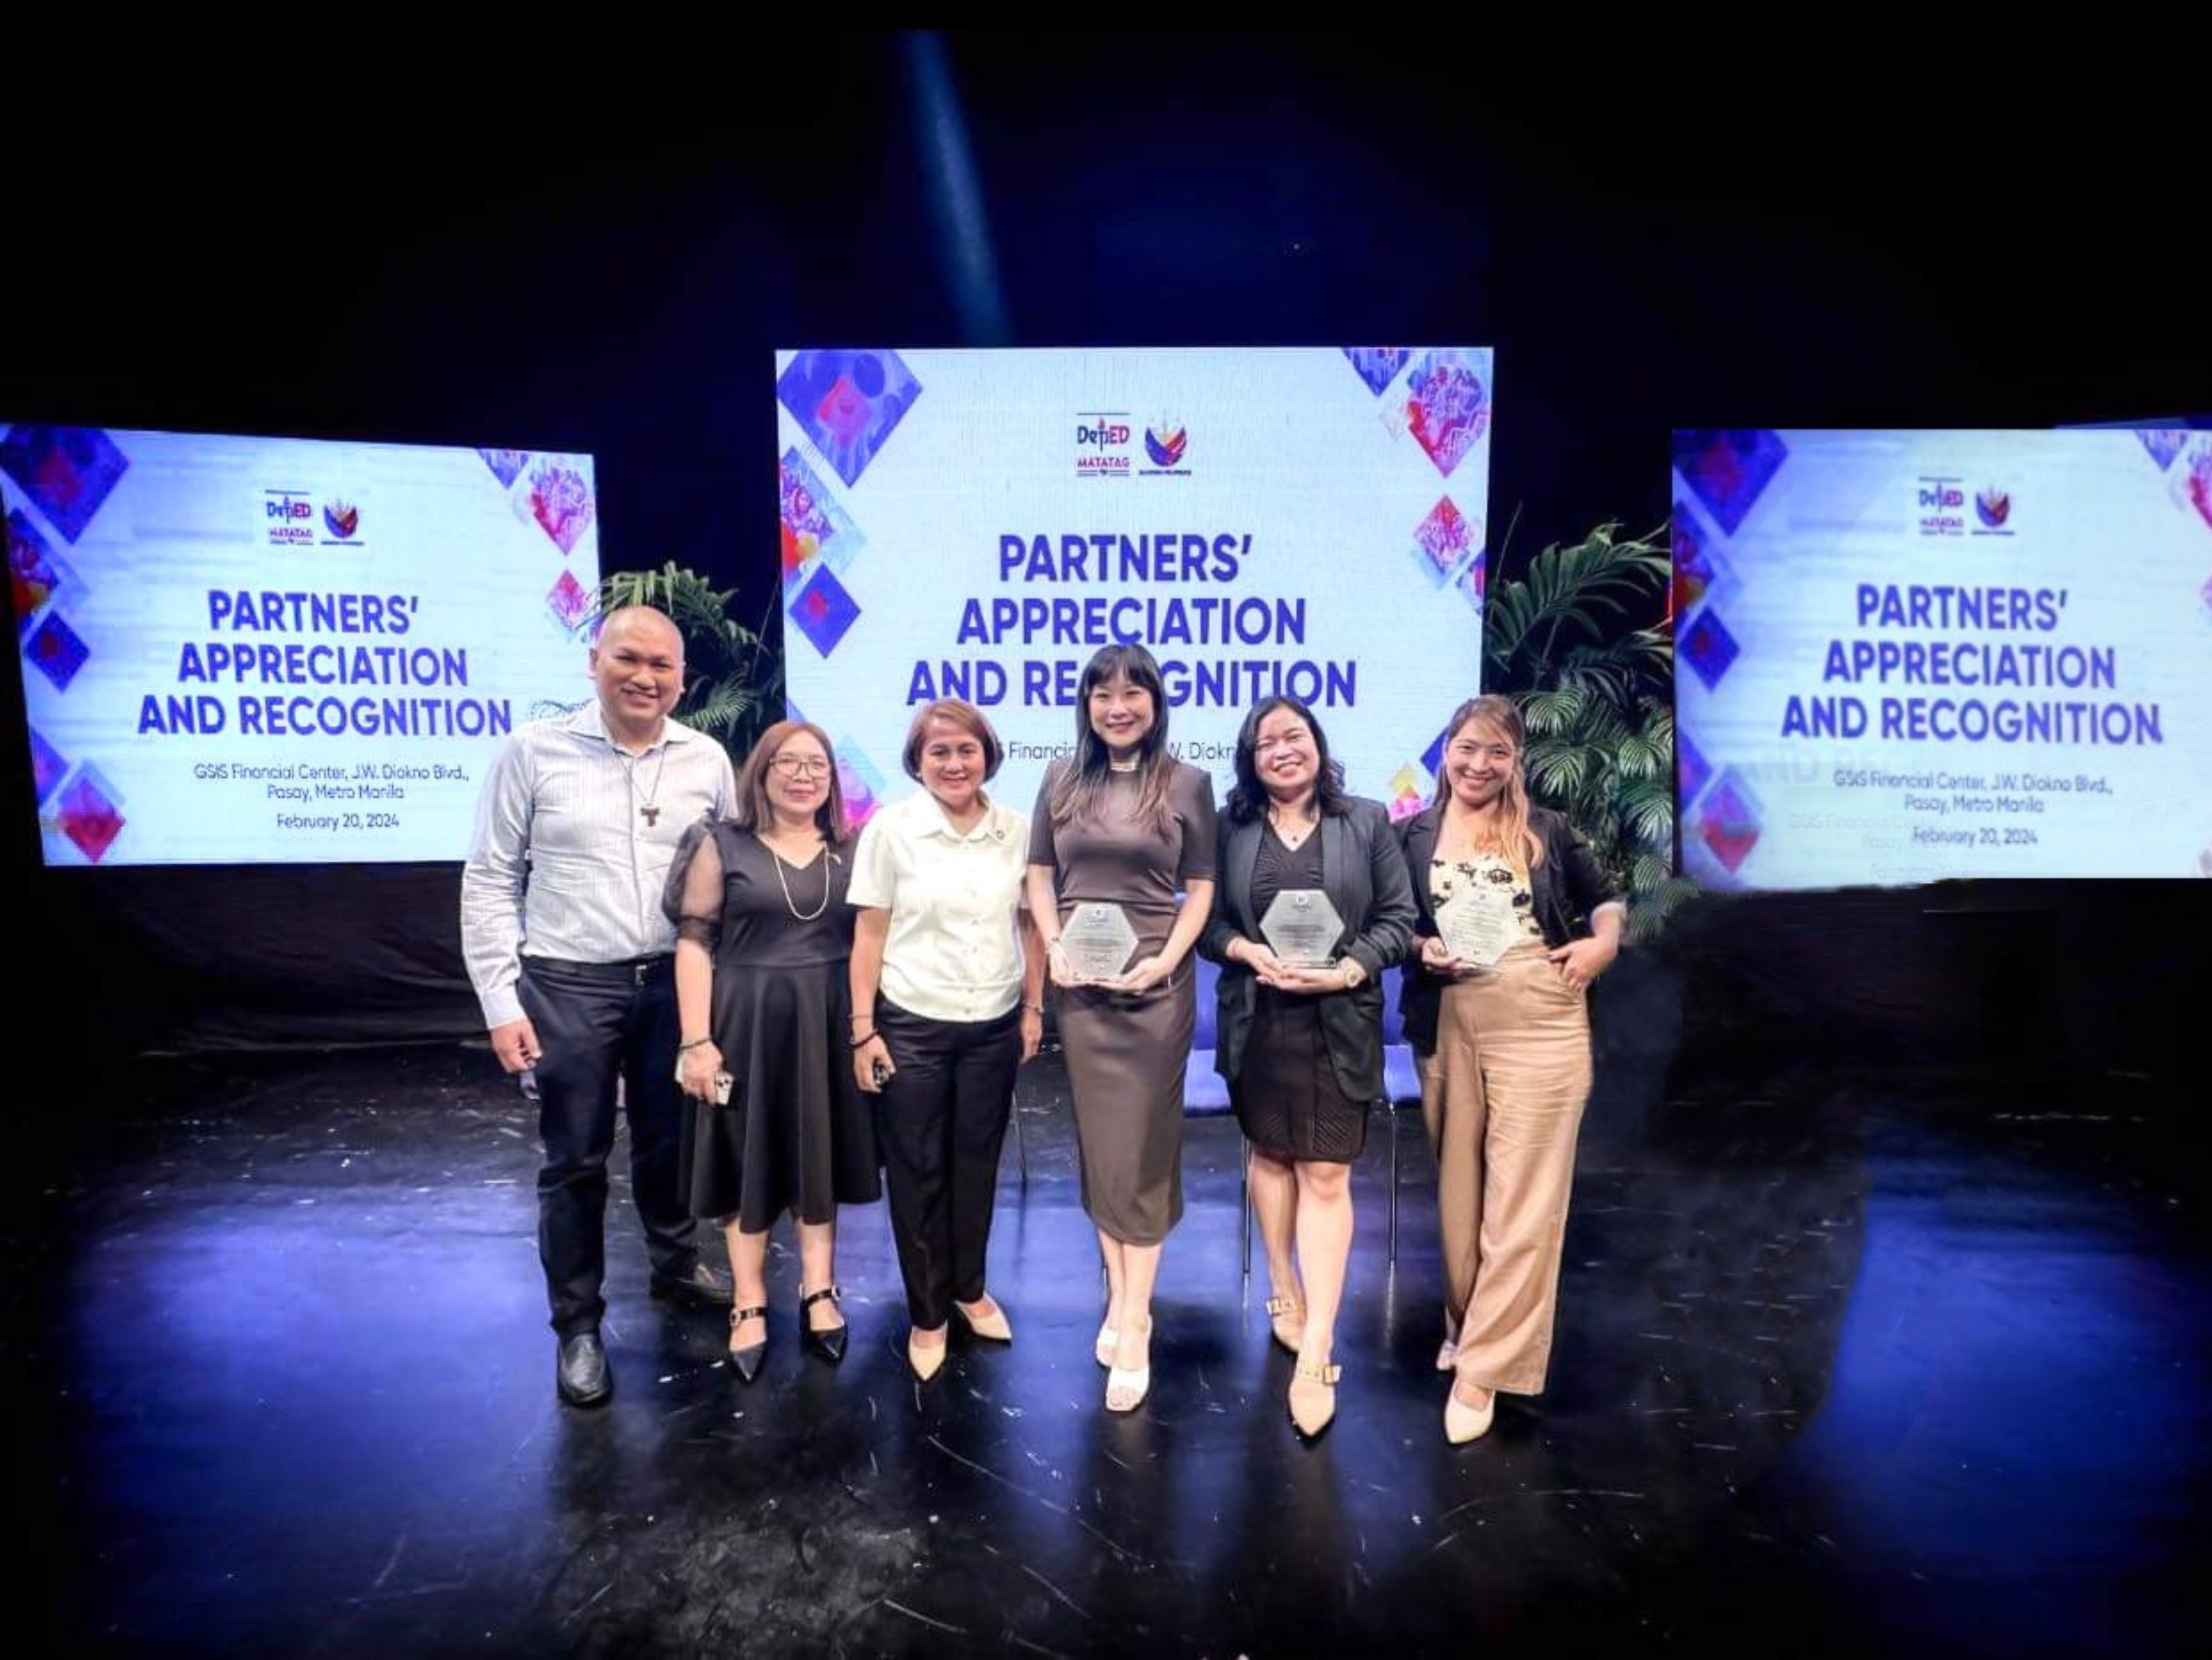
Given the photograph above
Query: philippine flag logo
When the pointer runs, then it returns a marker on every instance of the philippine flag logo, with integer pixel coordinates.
(1165, 442)
(342, 518)
(1995, 506)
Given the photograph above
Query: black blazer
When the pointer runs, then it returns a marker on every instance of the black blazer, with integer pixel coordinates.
(1364, 873)
(1565, 889)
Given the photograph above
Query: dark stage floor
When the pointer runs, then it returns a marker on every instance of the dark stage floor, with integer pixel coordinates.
(1841, 1367)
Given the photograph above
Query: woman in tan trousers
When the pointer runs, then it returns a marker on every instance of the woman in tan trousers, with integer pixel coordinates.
(1499, 1018)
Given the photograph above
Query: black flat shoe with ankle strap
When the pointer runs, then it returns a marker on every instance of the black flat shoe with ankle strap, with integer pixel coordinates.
(830, 1344)
(747, 1361)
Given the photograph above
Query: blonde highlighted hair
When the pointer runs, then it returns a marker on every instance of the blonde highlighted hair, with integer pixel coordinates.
(1513, 837)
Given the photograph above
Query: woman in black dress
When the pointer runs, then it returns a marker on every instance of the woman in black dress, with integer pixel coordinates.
(763, 937)
(1301, 1040)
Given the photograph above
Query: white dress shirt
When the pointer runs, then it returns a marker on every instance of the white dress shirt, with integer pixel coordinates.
(574, 840)
(952, 951)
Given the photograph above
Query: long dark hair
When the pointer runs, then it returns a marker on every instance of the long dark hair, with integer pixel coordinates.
(1249, 797)
(1085, 779)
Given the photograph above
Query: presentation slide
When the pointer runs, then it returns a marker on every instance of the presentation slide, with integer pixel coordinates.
(977, 523)
(280, 651)
(1905, 657)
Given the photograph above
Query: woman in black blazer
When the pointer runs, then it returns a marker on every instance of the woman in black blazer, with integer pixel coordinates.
(1504, 1041)
(1301, 1044)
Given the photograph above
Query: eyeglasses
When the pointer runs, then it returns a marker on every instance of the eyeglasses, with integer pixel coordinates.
(801, 766)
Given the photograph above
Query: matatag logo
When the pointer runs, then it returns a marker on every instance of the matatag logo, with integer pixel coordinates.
(290, 517)
(1943, 507)
(1102, 444)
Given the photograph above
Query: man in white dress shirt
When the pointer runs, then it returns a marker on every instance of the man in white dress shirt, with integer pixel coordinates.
(572, 960)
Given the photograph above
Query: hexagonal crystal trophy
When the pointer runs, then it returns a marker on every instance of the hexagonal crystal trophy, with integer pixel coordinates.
(1098, 939)
(1478, 925)
(1301, 929)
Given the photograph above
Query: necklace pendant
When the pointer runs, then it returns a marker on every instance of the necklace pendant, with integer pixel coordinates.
(650, 814)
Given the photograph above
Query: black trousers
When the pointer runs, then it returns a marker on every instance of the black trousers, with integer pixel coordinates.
(940, 1123)
(597, 1023)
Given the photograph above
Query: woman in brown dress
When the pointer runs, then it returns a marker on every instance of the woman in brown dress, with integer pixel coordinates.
(1125, 824)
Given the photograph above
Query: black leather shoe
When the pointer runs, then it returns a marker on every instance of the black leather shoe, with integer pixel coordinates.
(830, 1344)
(704, 1287)
(582, 1374)
(747, 1361)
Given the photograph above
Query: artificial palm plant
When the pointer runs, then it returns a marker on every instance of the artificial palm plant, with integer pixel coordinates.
(733, 681)
(1596, 693)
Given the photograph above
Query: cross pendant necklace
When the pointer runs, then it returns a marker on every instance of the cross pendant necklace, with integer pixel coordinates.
(648, 809)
